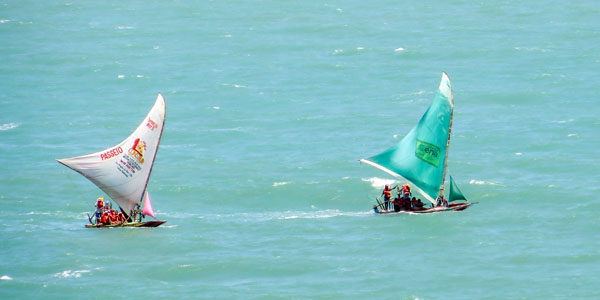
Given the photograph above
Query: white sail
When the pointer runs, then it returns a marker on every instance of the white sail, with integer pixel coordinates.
(122, 171)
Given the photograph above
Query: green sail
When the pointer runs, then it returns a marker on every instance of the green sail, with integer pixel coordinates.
(455, 193)
(420, 157)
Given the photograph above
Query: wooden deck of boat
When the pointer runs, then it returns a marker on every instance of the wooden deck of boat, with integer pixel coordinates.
(155, 223)
(457, 207)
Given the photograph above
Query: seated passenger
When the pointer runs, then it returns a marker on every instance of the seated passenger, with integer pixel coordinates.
(419, 204)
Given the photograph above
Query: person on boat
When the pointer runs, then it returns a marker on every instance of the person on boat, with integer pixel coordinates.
(406, 191)
(440, 201)
(413, 203)
(419, 204)
(99, 208)
(398, 202)
(387, 195)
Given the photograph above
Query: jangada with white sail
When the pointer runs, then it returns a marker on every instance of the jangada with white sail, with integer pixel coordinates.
(420, 159)
(122, 172)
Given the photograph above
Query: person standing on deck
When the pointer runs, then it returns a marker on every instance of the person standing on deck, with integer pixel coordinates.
(441, 201)
(406, 196)
(99, 208)
(387, 195)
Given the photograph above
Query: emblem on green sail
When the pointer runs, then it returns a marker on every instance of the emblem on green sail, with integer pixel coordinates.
(428, 153)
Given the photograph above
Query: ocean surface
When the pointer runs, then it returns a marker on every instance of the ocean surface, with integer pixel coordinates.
(270, 104)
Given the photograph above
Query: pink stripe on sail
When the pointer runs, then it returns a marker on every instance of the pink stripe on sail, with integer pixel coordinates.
(147, 206)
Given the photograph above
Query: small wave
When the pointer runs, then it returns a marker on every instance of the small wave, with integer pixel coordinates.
(377, 182)
(321, 214)
(234, 85)
(6, 277)
(38, 213)
(4, 21)
(291, 215)
(8, 126)
(124, 27)
(281, 183)
(481, 182)
(564, 121)
(70, 274)
(531, 49)
(238, 129)
(399, 49)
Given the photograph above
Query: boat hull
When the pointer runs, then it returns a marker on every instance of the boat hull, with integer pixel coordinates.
(132, 224)
(456, 207)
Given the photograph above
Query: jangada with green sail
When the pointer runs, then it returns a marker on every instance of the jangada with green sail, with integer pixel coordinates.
(420, 158)
(122, 172)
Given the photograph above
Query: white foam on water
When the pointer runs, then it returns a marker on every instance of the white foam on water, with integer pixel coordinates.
(399, 49)
(6, 277)
(564, 121)
(321, 214)
(234, 85)
(289, 215)
(124, 27)
(377, 182)
(281, 183)
(8, 126)
(120, 76)
(70, 274)
(481, 182)
(4, 21)
(38, 213)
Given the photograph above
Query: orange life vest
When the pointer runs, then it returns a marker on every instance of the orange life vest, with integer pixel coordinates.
(387, 192)
(406, 189)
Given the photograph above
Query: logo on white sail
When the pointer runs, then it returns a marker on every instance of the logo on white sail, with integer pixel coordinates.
(428, 153)
(138, 149)
(151, 124)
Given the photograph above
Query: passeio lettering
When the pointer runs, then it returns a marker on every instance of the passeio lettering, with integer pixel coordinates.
(111, 153)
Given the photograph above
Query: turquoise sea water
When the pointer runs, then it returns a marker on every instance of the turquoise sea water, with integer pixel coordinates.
(270, 104)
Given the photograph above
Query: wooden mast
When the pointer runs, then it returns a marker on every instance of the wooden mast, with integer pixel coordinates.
(448, 141)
